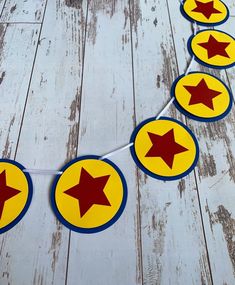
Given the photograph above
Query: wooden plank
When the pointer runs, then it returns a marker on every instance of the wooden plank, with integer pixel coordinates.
(1, 5)
(35, 251)
(23, 11)
(231, 6)
(174, 250)
(215, 171)
(114, 255)
(17, 50)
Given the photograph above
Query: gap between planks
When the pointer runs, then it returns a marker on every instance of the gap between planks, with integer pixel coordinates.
(30, 80)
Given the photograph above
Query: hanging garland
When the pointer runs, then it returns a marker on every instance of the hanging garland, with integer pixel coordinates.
(165, 148)
(89, 193)
(16, 190)
(202, 96)
(205, 13)
(101, 183)
(213, 48)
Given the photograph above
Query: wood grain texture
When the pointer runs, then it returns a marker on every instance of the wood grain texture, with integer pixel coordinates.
(23, 11)
(231, 6)
(215, 170)
(79, 86)
(1, 5)
(17, 49)
(114, 255)
(35, 251)
(170, 214)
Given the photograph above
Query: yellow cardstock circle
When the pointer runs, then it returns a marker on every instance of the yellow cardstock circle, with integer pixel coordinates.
(220, 103)
(217, 60)
(97, 215)
(156, 165)
(190, 5)
(13, 207)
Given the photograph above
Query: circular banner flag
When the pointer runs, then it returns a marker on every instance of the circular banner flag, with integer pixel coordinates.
(213, 48)
(164, 149)
(202, 96)
(205, 12)
(90, 195)
(16, 190)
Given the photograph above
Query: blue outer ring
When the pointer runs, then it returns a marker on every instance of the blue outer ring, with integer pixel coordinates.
(199, 60)
(145, 170)
(183, 12)
(96, 229)
(29, 199)
(194, 117)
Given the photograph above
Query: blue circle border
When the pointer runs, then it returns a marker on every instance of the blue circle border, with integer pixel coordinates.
(99, 228)
(194, 117)
(199, 60)
(29, 199)
(183, 12)
(145, 170)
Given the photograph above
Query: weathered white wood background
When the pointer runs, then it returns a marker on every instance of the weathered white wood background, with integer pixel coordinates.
(75, 78)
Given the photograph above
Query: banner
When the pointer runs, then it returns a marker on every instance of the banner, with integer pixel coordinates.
(89, 193)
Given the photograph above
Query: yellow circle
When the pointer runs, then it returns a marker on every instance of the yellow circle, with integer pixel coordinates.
(97, 215)
(13, 207)
(190, 5)
(156, 165)
(202, 54)
(221, 102)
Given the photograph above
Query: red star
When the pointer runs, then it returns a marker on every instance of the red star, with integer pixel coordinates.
(214, 47)
(6, 192)
(202, 94)
(207, 9)
(165, 147)
(89, 191)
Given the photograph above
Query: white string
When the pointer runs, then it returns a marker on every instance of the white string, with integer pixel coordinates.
(116, 151)
(192, 61)
(195, 28)
(43, 171)
(165, 108)
(127, 146)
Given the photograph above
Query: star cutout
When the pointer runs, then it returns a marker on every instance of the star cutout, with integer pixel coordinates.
(89, 191)
(165, 147)
(6, 192)
(214, 47)
(202, 94)
(207, 9)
